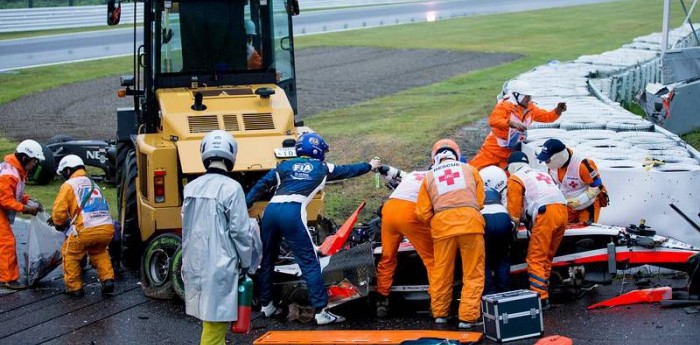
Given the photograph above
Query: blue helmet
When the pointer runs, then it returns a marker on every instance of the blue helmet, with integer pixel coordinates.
(311, 145)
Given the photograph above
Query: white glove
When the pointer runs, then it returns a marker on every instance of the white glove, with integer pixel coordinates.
(573, 202)
(375, 163)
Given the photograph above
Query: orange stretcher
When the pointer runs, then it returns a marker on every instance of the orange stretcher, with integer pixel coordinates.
(341, 337)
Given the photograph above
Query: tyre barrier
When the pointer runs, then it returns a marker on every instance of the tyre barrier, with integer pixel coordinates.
(544, 133)
(595, 134)
(677, 160)
(629, 165)
(613, 156)
(630, 126)
(664, 145)
(575, 125)
(669, 153)
(537, 144)
(638, 138)
(605, 144)
(538, 125)
(676, 167)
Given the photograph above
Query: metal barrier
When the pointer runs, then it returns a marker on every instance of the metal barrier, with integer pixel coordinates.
(50, 18)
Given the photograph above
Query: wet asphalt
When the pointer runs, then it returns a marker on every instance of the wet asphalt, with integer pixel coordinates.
(43, 315)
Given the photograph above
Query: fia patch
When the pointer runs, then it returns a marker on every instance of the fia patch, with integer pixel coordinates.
(594, 174)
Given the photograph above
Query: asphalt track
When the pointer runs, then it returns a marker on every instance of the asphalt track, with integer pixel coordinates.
(47, 50)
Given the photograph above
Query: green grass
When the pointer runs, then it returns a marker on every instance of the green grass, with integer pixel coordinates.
(24, 82)
(27, 34)
(401, 128)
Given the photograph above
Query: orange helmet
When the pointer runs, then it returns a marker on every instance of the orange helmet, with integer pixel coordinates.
(445, 144)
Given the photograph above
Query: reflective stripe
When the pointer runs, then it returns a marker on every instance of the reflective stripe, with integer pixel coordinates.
(538, 286)
(538, 278)
(288, 198)
(9, 169)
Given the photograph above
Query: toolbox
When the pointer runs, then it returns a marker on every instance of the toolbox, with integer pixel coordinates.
(512, 315)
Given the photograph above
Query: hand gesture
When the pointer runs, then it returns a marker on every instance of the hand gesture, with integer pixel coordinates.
(517, 125)
(33, 210)
(375, 163)
(561, 107)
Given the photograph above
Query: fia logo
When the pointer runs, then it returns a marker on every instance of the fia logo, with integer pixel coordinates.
(303, 167)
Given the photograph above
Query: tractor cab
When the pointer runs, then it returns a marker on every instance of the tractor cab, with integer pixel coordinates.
(199, 66)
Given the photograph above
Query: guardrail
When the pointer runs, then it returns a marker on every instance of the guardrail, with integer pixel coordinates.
(51, 18)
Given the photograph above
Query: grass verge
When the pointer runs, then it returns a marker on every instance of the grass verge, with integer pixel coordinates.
(400, 128)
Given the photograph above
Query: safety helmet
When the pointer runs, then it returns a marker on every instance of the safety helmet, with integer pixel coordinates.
(520, 87)
(32, 149)
(219, 144)
(311, 145)
(250, 28)
(445, 144)
(494, 177)
(69, 161)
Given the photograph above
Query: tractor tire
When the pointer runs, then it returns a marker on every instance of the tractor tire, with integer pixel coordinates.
(45, 171)
(176, 275)
(59, 138)
(156, 277)
(131, 242)
(123, 149)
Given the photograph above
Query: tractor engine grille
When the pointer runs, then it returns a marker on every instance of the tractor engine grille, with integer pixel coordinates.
(257, 122)
(203, 124)
(231, 123)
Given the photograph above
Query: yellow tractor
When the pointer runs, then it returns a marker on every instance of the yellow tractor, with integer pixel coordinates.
(202, 65)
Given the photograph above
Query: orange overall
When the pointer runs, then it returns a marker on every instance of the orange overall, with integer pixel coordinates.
(449, 200)
(588, 174)
(494, 150)
(91, 238)
(547, 233)
(399, 220)
(12, 200)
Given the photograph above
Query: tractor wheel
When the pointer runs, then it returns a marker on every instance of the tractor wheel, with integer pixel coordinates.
(123, 149)
(45, 171)
(156, 279)
(128, 213)
(175, 274)
(59, 138)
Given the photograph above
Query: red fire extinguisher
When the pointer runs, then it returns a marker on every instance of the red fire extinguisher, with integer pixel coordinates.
(245, 301)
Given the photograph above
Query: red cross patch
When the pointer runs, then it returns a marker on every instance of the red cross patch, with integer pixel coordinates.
(449, 176)
(573, 184)
(543, 177)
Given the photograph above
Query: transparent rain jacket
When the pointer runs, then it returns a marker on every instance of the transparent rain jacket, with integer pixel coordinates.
(218, 238)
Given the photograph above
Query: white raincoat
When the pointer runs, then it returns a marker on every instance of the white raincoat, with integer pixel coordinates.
(218, 237)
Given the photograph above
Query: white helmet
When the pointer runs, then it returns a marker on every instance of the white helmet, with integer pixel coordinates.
(69, 161)
(494, 177)
(219, 144)
(519, 86)
(32, 149)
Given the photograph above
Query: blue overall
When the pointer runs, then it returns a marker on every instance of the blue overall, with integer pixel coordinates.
(497, 237)
(297, 181)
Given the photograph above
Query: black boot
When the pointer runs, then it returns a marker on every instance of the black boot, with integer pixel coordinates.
(13, 285)
(108, 287)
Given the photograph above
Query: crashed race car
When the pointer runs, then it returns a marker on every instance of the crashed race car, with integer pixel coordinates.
(589, 254)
